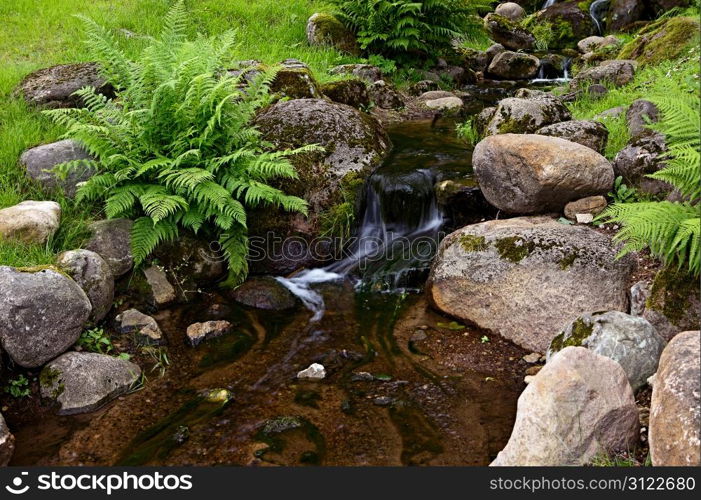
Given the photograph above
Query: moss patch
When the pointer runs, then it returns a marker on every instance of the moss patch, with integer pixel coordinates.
(567, 261)
(669, 41)
(579, 331)
(670, 294)
(50, 378)
(472, 243)
(514, 248)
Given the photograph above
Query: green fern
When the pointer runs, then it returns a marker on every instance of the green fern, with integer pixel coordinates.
(175, 148)
(671, 230)
(410, 29)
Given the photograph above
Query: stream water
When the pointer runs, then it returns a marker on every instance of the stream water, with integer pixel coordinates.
(404, 385)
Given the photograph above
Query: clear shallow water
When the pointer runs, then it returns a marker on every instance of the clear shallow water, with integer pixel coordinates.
(401, 389)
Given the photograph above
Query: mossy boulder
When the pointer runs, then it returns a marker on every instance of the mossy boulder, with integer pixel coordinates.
(662, 41)
(42, 313)
(631, 341)
(617, 72)
(523, 114)
(352, 92)
(354, 144)
(623, 13)
(674, 303)
(589, 133)
(567, 22)
(508, 33)
(295, 81)
(325, 30)
(514, 66)
(524, 278)
(54, 87)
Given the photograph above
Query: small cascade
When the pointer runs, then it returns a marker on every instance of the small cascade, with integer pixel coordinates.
(397, 238)
(547, 74)
(596, 11)
(548, 3)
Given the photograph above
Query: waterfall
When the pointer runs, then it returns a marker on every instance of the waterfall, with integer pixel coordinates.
(400, 210)
(548, 3)
(596, 10)
(563, 77)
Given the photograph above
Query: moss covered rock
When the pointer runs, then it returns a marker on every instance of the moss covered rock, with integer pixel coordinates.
(514, 66)
(324, 29)
(526, 114)
(588, 133)
(508, 33)
(567, 23)
(354, 144)
(674, 303)
(524, 278)
(296, 81)
(352, 92)
(617, 72)
(666, 40)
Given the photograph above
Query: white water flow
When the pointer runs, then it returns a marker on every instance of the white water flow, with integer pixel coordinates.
(548, 3)
(596, 12)
(399, 209)
(542, 77)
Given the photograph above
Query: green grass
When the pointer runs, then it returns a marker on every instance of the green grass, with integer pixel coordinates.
(42, 33)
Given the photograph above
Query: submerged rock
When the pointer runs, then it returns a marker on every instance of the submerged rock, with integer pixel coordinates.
(94, 276)
(314, 372)
(264, 292)
(32, 222)
(631, 341)
(41, 161)
(526, 174)
(7, 443)
(675, 410)
(54, 87)
(111, 239)
(81, 382)
(42, 313)
(199, 332)
(591, 134)
(577, 407)
(162, 293)
(524, 278)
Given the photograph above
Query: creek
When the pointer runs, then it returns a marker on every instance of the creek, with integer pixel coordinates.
(404, 386)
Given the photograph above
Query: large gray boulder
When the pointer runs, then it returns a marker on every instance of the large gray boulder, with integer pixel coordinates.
(589, 133)
(569, 23)
(524, 278)
(7, 443)
(631, 341)
(33, 222)
(525, 113)
(81, 382)
(528, 174)
(617, 72)
(510, 10)
(111, 239)
(577, 407)
(354, 145)
(54, 87)
(675, 410)
(508, 33)
(41, 161)
(93, 275)
(509, 65)
(42, 313)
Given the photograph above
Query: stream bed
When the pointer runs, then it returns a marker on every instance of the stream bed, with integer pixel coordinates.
(404, 385)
